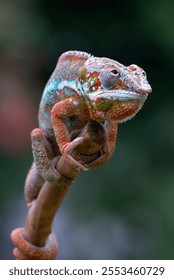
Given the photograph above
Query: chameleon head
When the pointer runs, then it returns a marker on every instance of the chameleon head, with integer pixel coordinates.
(114, 91)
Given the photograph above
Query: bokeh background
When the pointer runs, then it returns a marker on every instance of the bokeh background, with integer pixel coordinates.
(124, 209)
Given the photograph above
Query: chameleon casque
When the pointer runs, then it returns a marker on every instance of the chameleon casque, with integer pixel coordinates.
(82, 88)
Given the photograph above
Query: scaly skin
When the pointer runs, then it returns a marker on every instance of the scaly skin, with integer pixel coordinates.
(82, 88)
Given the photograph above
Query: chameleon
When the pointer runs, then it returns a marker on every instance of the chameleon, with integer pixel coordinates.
(82, 88)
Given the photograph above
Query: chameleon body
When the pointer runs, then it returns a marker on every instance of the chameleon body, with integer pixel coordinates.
(82, 88)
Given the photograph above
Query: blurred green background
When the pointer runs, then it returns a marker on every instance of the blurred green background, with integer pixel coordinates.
(124, 209)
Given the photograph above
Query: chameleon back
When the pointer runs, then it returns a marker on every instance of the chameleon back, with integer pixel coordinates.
(62, 84)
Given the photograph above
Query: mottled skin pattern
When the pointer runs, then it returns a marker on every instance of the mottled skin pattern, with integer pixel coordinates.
(82, 88)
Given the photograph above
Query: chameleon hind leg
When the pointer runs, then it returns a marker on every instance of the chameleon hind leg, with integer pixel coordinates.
(43, 169)
(33, 184)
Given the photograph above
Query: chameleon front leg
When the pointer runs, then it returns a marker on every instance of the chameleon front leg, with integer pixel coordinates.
(109, 146)
(61, 110)
(67, 108)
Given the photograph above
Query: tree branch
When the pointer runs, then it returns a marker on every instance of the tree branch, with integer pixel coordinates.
(42, 211)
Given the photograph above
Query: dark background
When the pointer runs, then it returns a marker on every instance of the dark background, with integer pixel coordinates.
(124, 209)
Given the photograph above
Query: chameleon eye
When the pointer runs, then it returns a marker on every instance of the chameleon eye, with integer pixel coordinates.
(114, 72)
(109, 77)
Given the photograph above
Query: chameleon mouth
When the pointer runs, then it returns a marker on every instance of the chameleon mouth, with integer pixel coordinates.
(118, 95)
(116, 105)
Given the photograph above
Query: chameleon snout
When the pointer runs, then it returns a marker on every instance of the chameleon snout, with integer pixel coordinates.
(146, 89)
